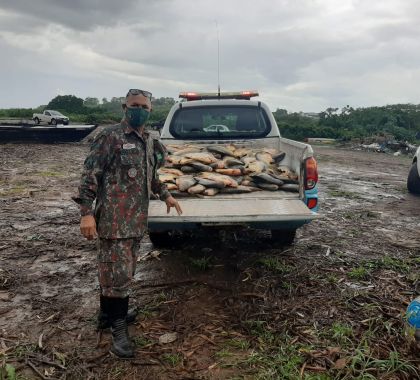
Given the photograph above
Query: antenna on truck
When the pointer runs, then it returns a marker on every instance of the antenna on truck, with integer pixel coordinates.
(218, 59)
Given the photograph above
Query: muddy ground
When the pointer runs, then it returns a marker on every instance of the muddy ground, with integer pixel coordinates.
(329, 307)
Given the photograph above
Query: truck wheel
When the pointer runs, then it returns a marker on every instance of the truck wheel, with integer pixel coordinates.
(413, 180)
(53, 122)
(36, 121)
(161, 239)
(283, 237)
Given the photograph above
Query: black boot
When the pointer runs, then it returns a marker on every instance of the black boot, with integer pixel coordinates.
(104, 322)
(121, 343)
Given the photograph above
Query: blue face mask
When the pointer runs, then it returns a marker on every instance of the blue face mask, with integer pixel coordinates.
(136, 117)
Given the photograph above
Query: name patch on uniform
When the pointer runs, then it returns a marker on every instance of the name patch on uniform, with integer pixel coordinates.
(129, 146)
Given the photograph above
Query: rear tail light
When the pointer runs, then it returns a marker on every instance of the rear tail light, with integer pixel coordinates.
(312, 202)
(311, 173)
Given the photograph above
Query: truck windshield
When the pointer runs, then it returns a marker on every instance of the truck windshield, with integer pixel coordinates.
(227, 122)
(56, 113)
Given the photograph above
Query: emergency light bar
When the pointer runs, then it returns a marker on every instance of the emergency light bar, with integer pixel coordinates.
(214, 95)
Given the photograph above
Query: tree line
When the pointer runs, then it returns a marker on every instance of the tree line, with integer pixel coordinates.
(399, 120)
(402, 121)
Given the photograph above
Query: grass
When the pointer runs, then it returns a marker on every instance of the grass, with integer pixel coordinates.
(18, 189)
(359, 273)
(275, 264)
(172, 359)
(202, 263)
(344, 194)
(7, 372)
(237, 343)
(47, 173)
(362, 365)
(364, 270)
(149, 310)
(141, 341)
(22, 350)
(341, 333)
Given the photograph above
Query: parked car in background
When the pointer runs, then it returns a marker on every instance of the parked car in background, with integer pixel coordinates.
(413, 180)
(50, 117)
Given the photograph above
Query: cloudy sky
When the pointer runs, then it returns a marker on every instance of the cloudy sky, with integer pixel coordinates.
(302, 55)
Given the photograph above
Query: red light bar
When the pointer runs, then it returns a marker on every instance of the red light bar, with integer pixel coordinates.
(214, 95)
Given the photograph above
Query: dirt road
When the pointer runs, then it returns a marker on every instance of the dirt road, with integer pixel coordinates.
(330, 307)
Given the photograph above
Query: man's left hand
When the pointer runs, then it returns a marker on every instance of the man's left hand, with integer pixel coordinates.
(172, 202)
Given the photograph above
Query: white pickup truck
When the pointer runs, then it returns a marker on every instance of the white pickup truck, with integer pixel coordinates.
(50, 117)
(227, 118)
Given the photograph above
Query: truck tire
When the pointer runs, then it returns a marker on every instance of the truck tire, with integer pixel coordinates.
(413, 180)
(283, 237)
(53, 122)
(36, 121)
(161, 239)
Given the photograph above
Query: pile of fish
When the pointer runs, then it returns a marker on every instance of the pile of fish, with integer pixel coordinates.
(192, 170)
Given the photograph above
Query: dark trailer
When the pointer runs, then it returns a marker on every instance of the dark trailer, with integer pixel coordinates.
(44, 134)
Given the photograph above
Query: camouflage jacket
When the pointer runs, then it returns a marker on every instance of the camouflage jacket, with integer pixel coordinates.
(120, 173)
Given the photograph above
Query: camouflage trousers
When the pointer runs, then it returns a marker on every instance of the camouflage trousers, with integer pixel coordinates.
(117, 260)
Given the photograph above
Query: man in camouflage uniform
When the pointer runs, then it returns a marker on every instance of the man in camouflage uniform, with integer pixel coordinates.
(120, 174)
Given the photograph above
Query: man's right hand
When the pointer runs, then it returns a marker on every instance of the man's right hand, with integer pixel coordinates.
(88, 227)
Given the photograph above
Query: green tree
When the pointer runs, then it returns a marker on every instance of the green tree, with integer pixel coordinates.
(91, 102)
(66, 103)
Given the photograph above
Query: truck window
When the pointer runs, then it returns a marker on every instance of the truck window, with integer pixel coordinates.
(227, 122)
(47, 114)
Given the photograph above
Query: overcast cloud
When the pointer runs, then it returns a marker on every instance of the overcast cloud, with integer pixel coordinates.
(302, 55)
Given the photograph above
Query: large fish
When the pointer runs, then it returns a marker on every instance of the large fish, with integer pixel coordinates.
(220, 177)
(185, 160)
(170, 171)
(218, 165)
(249, 183)
(200, 166)
(268, 186)
(210, 192)
(248, 159)
(271, 151)
(279, 157)
(188, 169)
(230, 161)
(290, 187)
(164, 178)
(205, 158)
(238, 179)
(231, 147)
(220, 150)
(183, 152)
(285, 171)
(237, 190)
(255, 167)
(180, 194)
(185, 182)
(196, 189)
(240, 152)
(175, 160)
(267, 178)
(264, 157)
(283, 177)
(233, 172)
(210, 183)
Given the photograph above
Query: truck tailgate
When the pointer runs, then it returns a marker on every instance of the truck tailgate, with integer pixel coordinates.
(214, 211)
